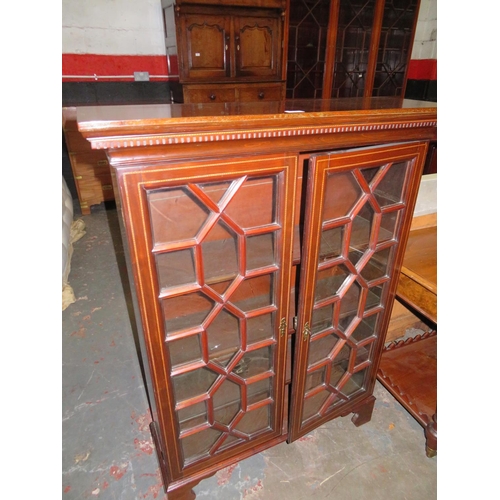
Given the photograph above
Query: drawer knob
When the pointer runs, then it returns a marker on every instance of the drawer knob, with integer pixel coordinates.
(261, 95)
(212, 97)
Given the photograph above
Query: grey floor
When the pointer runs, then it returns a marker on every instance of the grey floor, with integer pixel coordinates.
(107, 448)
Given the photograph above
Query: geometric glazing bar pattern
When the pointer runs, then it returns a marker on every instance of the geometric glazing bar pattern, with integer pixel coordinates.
(217, 268)
(394, 46)
(359, 236)
(354, 31)
(307, 48)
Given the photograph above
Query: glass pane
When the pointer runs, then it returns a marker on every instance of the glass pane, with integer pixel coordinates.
(199, 444)
(331, 243)
(339, 206)
(388, 226)
(363, 354)
(349, 306)
(255, 421)
(320, 348)
(215, 190)
(260, 251)
(322, 319)
(365, 329)
(374, 297)
(193, 415)
(390, 188)
(329, 281)
(315, 378)
(227, 402)
(313, 404)
(260, 327)
(254, 293)
(339, 367)
(361, 231)
(254, 363)
(354, 383)
(220, 241)
(377, 266)
(254, 203)
(223, 336)
(185, 350)
(185, 311)
(194, 383)
(169, 210)
(176, 268)
(259, 391)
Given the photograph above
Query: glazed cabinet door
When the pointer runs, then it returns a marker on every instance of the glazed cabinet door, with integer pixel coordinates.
(258, 46)
(211, 253)
(358, 211)
(204, 45)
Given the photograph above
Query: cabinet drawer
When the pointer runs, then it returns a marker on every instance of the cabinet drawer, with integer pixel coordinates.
(259, 93)
(90, 164)
(202, 94)
(95, 189)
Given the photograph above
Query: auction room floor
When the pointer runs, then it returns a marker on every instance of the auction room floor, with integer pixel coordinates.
(107, 448)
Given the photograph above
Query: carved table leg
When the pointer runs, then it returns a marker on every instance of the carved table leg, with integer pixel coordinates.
(363, 412)
(431, 437)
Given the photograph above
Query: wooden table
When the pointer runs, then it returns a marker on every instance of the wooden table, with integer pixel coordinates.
(408, 368)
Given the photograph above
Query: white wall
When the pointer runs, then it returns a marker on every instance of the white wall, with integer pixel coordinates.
(425, 43)
(112, 27)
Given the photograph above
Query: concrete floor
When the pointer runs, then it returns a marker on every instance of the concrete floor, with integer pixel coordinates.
(107, 447)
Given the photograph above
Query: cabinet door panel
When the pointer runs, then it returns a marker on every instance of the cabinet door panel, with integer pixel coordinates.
(358, 211)
(215, 274)
(205, 46)
(257, 44)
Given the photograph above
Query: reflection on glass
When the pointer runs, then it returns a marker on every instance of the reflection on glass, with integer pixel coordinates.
(377, 266)
(320, 348)
(185, 350)
(329, 281)
(354, 383)
(255, 421)
(260, 327)
(388, 226)
(254, 363)
(331, 243)
(223, 336)
(254, 293)
(349, 305)
(390, 188)
(220, 241)
(199, 444)
(260, 251)
(244, 208)
(185, 311)
(194, 383)
(365, 329)
(226, 401)
(322, 319)
(193, 415)
(176, 268)
(168, 209)
(361, 231)
(336, 206)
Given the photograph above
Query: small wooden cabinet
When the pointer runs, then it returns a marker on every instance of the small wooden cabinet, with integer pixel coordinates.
(264, 247)
(90, 167)
(224, 45)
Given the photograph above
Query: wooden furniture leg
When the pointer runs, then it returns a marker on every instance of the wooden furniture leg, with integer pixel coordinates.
(431, 437)
(363, 413)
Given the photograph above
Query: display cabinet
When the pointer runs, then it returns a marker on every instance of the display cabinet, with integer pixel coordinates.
(349, 48)
(231, 50)
(265, 242)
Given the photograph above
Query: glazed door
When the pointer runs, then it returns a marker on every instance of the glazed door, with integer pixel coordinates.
(205, 44)
(212, 257)
(257, 46)
(358, 209)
